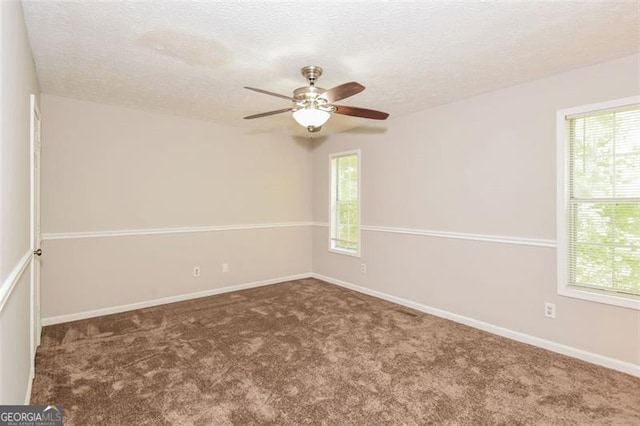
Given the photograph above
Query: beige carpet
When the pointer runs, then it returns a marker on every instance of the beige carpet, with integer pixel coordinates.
(307, 352)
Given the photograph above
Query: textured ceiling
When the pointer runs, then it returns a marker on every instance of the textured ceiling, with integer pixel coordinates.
(193, 58)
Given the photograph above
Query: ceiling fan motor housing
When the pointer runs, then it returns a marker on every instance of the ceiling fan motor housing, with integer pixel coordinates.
(307, 93)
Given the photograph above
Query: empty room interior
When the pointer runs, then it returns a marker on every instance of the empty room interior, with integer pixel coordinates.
(321, 212)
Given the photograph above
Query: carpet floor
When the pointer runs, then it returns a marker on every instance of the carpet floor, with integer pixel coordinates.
(307, 352)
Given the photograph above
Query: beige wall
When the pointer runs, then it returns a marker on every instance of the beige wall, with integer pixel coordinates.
(484, 165)
(96, 273)
(18, 83)
(15, 355)
(109, 168)
(112, 168)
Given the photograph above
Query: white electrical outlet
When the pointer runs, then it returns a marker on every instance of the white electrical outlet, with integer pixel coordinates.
(549, 310)
(225, 267)
(363, 268)
(196, 271)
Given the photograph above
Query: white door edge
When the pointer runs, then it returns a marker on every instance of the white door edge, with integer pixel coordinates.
(35, 238)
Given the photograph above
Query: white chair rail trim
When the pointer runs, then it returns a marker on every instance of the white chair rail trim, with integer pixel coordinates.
(13, 278)
(536, 242)
(160, 231)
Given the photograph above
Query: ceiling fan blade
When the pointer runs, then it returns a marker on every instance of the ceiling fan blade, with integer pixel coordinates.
(265, 114)
(342, 91)
(270, 93)
(360, 112)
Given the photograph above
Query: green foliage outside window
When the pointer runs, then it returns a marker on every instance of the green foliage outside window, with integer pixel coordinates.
(346, 202)
(604, 204)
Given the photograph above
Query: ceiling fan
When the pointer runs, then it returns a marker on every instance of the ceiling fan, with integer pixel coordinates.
(313, 106)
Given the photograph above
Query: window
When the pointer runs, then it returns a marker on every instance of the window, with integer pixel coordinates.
(599, 202)
(344, 226)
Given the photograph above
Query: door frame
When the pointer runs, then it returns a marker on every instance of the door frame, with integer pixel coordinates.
(35, 234)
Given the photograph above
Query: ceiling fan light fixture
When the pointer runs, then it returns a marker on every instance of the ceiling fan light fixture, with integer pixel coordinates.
(311, 117)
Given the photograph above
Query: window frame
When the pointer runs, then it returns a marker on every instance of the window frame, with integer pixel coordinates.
(562, 170)
(332, 204)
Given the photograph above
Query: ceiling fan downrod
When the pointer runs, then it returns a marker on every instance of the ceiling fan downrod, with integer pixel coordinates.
(311, 73)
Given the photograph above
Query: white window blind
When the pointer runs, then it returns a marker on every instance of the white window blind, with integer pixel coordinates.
(603, 206)
(345, 226)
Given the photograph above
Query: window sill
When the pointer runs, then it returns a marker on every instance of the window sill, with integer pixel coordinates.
(346, 252)
(630, 302)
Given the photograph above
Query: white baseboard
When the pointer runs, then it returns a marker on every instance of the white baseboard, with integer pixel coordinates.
(164, 300)
(615, 364)
(590, 357)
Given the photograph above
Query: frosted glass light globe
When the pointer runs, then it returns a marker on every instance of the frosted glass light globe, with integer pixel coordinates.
(311, 117)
